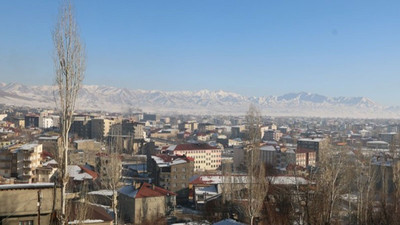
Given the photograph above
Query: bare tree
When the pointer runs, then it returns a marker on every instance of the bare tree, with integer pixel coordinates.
(256, 183)
(69, 62)
(111, 169)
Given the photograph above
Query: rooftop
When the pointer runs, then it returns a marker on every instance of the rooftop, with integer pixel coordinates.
(191, 146)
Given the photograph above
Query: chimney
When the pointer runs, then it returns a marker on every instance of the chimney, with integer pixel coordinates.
(153, 186)
(136, 184)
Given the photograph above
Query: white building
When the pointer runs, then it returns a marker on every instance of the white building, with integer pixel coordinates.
(45, 122)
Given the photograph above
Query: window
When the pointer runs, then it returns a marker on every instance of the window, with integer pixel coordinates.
(26, 222)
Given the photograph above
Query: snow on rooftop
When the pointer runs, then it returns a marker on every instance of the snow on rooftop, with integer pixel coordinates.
(207, 190)
(287, 180)
(77, 173)
(268, 148)
(161, 163)
(49, 138)
(128, 191)
(171, 148)
(85, 221)
(102, 192)
(51, 162)
(311, 139)
(28, 146)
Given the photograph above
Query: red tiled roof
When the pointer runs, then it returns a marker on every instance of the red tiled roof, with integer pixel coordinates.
(165, 147)
(190, 158)
(170, 158)
(93, 212)
(90, 172)
(197, 146)
(146, 190)
(46, 154)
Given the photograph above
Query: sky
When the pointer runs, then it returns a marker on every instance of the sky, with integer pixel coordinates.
(254, 48)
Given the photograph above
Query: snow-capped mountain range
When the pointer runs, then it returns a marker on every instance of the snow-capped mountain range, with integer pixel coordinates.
(112, 99)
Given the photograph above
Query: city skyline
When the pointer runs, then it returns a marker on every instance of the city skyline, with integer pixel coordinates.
(258, 49)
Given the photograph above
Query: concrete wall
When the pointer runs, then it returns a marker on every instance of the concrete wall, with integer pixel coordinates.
(24, 201)
(149, 209)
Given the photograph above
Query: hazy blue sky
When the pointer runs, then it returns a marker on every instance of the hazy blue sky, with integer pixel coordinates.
(335, 48)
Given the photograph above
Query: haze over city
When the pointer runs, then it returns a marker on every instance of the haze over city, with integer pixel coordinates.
(335, 48)
(199, 112)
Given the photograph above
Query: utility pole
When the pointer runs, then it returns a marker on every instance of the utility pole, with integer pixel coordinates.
(38, 204)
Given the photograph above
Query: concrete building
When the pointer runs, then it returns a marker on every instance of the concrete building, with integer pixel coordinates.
(24, 163)
(172, 172)
(205, 157)
(19, 203)
(31, 120)
(87, 145)
(81, 126)
(50, 144)
(148, 116)
(377, 145)
(45, 122)
(145, 202)
(388, 137)
(205, 127)
(272, 135)
(306, 157)
(237, 131)
(100, 128)
(28, 160)
(188, 126)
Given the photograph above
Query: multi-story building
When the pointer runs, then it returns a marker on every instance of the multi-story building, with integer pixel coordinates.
(100, 127)
(133, 128)
(153, 117)
(309, 143)
(31, 120)
(28, 160)
(205, 157)
(19, 203)
(237, 131)
(50, 144)
(23, 162)
(204, 127)
(388, 137)
(19, 122)
(6, 159)
(272, 135)
(306, 157)
(172, 172)
(81, 126)
(188, 126)
(140, 203)
(45, 122)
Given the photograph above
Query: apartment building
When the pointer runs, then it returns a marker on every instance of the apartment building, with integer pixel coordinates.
(188, 126)
(172, 172)
(100, 127)
(31, 120)
(206, 157)
(28, 159)
(21, 162)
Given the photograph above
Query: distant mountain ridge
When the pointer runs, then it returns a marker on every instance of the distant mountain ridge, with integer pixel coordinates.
(112, 99)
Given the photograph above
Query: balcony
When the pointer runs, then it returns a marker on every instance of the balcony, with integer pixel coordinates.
(26, 167)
